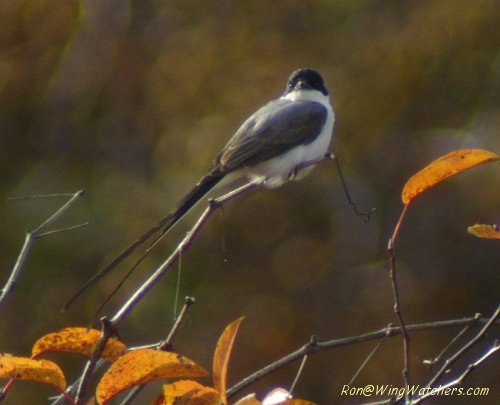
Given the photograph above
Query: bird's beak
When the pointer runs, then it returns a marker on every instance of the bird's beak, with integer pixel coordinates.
(301, 85)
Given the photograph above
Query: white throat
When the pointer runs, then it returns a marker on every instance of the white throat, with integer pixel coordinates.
(308, 95)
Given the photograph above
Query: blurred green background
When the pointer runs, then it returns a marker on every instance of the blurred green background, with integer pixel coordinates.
(131, 100)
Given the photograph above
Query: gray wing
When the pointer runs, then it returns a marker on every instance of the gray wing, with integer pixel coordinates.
(274, 129)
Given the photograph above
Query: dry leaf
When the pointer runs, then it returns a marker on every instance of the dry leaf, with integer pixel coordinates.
(276, 396)
(250, 399)
(77, 340)
(23, 368)
(442, 168)
(222, 355)
(142, 366)
(188, 392)
(484, 231)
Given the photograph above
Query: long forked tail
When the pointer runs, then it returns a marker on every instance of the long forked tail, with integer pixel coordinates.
(164, 225)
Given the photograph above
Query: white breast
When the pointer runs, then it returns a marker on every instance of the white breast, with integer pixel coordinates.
(277, 171)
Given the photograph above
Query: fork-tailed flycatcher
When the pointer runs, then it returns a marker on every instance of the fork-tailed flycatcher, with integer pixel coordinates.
(274, 141)
(269, 147)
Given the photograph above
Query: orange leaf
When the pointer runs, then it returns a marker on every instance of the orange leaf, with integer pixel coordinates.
(77, 340)
(277, 396)
(442, 168)
(187, 392)
(142, 366)
(484, 231)
(298, 402)
(222, 355)
(23, 368)
(250, 399)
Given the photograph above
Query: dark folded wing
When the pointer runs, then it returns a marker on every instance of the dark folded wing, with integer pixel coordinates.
(274, 129)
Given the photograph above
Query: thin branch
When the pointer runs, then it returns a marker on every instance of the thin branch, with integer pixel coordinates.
(450, 361)
(365, 214)
(31, 236)
(164, 345)
(397, 303)
(59, 212)
(167, 343)
(368, 358)
(315, 346)
(62, 230)
(107, 332)
(460, 380)
(299, 373)
(72, 389)
(117, 260)
(140, 293)
(181, 247)
(397, 310)
(40, 196)
(438, 357)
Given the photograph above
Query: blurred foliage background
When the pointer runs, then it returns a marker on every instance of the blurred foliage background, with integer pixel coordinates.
(131, 100)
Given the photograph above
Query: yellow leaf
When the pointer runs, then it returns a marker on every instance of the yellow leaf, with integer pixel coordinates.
(187, 392)
(222, 355)
(250, 399)
(23, 368)
(142, 366)
(442, 168)
(277, 396)
(77, 340)
(484, 231)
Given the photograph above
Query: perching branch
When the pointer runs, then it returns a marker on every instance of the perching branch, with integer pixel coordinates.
(316, 346)
(140, 293)
(38, 233)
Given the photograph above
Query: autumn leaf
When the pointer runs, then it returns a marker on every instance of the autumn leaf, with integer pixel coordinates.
(23, 368)
(143, 366)
(249, 399)
(186, 392)
(222, 355)
(442, 168)
(278, 396)
(484, 231)
(77, 340)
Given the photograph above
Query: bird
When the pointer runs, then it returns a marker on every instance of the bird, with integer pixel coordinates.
(273, 142)
(270, 148)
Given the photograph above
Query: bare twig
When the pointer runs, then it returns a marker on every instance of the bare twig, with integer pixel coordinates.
(460, 380)
(397, 304)
(165, 345)
(181, 247)
(315, 346)
(151, 282)
(37, 233)
(365, 214)
(128, 306)
(40, 196)
(368, 358)
(450, 361)
(146, 236)
(438, 357)
(107, 332)
(397, 310)
(71, 389)
(299, 373)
